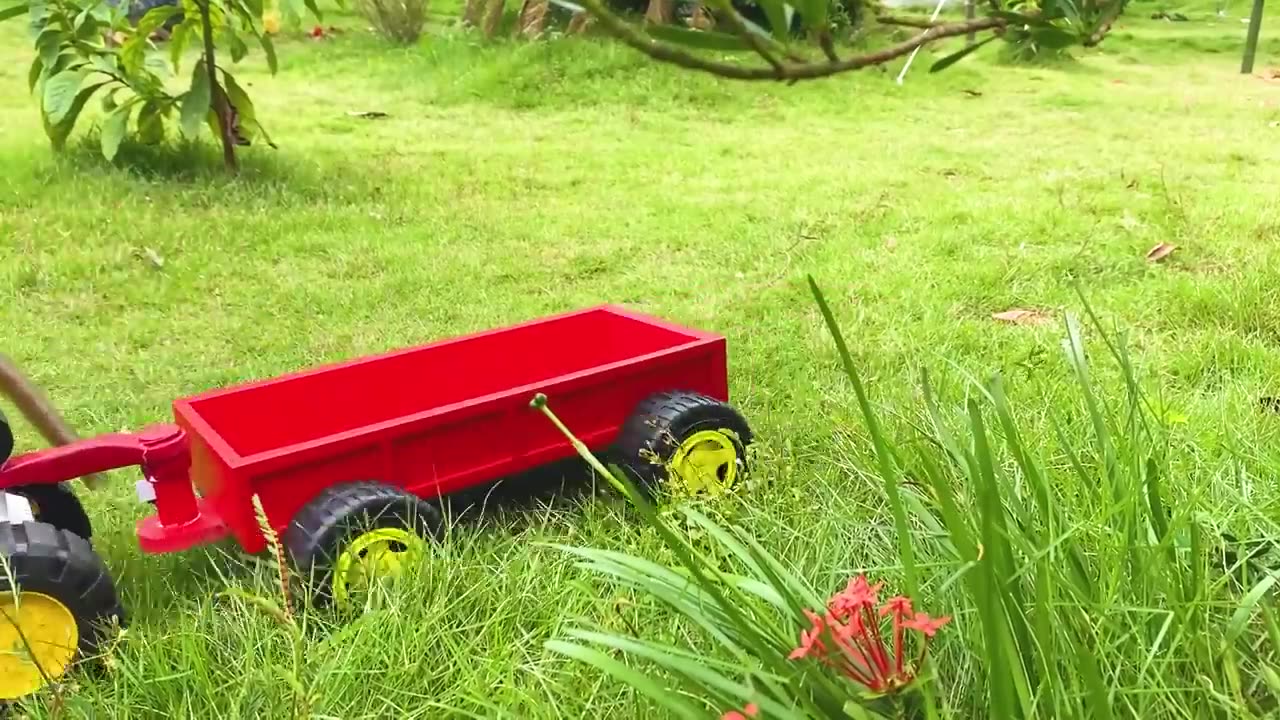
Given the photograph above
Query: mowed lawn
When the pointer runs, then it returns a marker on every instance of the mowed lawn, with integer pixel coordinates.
(517, 180)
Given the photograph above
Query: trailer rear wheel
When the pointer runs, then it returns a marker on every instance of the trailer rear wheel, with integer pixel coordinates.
(55, 602)
(688, 442)
(353, 535)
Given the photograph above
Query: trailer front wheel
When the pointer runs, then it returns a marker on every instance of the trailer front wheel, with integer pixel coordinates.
(354, 535)
(55, 601)
(687, 442)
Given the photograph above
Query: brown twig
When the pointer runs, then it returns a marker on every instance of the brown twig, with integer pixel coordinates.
(668, 53)
(738, 24)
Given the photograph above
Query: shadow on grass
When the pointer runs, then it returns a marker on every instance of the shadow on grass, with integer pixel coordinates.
(187, 161)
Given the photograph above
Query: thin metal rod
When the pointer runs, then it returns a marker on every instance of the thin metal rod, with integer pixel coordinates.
(936, 11)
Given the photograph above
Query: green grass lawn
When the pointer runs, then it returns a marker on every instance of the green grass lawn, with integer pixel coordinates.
(523, 179)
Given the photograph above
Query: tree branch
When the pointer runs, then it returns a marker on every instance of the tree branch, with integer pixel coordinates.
(924, 23)
(668, 53)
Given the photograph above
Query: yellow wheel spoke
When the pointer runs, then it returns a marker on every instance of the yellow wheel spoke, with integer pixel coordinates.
(705, 461)
(381, 554)
(38, 639)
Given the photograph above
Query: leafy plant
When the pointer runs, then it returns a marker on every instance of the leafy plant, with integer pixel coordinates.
(398, 20)
(761, 616)
(87, 49)
(1091, 592)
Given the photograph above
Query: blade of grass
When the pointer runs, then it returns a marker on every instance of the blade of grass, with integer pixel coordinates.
(888, 470)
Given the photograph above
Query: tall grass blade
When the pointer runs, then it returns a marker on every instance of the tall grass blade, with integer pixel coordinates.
(888, 469)
(660, 694)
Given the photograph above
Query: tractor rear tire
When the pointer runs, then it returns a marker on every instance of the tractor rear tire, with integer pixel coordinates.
(353, 531)
(58, 506)
(684, 438)
(56, 604)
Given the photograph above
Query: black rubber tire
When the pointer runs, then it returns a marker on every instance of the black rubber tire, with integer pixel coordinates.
(661, 422)
(316, 535)
(6, 438)
(58, 506)
(62, 565)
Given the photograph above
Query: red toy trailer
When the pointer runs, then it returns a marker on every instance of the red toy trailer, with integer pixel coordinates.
(348, 459)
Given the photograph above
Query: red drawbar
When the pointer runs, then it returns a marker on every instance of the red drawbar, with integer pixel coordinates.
(162, 454)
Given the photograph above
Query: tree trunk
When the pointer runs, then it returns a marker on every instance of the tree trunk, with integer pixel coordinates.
(218, 99)
(472, 12)
(579, 23)
(660, 12)
(493, 16)
(533, 18)
(1251, 39)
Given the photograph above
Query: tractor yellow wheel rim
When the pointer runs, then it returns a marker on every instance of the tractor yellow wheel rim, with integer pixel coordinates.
(38, 641)
(377, 555)
(706, 462)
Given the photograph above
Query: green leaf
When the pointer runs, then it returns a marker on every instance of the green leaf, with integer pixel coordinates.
(1240, 617)
(151, 122)
(1019, 19)
(60, 93)
(154, 18)
(195, 103)
(269, 49)
(178, 41)
(133, 54)
(239, 99)
(104, 64)
(48, 45)
(314, 8)
(959, 55)
(776, 13)
(59, 132)
(697, 38)
(236, 45)
(1053, 38)
(113, 130)
(814, 13)
(293, 9)
(13, 12)
(33, 75)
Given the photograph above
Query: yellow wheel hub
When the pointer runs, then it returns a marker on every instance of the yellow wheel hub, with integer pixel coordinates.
(707, 461)
(381, 554)
(38, 641)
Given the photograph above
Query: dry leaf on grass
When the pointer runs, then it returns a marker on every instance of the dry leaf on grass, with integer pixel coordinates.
(1021, 317)
(1160, 252)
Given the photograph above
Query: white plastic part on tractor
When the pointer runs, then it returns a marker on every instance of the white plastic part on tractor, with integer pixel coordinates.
(15, 510)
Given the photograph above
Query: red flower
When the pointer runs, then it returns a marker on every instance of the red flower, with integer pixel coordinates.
(749, 711)
(900, 606)
(926, 625)
(809, 639)
(849, 638)
(855, 596)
